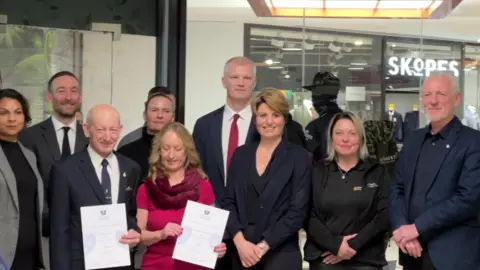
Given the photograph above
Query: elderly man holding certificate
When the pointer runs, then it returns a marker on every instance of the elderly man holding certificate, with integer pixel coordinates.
(175, 179)
(93, 208)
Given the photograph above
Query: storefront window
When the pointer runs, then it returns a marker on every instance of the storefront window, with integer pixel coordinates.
(407, 63)
(471, 86)
(288, 58)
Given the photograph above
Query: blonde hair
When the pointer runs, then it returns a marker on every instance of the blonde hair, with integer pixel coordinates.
(274, 99)
(362, 152)
(240, 61)
(192, 161)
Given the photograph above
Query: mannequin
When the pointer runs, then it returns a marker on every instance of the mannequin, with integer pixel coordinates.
(397, 119)
(471, 118)
(411, 121)
(325, 88)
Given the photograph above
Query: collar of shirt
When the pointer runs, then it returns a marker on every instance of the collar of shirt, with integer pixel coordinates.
(245, 114)
(443, 134)
(57, 125)
(359, 167)
(97, 159)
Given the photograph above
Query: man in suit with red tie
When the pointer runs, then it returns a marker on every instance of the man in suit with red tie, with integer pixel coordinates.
(218, 133)
(95, 176)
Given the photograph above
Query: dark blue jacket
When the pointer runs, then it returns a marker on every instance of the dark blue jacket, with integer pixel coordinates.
(207, 134)
(283, 202)
(410, 123)
(398, 121)
(449, 226)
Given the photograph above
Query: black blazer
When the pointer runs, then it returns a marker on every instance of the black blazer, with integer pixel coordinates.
(42, 140)
(283, 202)
(207, 135)
(449, 226)
(372, 224)
(75, 184)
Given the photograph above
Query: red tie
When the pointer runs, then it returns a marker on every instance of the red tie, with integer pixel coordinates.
(233, 139)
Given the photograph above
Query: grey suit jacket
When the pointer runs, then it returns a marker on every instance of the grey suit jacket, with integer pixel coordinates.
(9, 206)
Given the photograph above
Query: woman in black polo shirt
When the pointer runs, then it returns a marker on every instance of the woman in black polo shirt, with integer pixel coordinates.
(349, 212)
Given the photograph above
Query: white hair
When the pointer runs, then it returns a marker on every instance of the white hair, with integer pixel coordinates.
(454, 83)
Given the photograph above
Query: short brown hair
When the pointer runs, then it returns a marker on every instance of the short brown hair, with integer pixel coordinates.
(274, 99)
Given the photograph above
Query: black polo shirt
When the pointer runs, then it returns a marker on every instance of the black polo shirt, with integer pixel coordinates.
(343, 200)
(432, 146)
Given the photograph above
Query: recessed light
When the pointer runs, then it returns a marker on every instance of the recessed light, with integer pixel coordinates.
(358, 43)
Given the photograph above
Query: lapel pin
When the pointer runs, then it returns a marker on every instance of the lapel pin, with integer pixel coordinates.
(448, 146)
(124, 174)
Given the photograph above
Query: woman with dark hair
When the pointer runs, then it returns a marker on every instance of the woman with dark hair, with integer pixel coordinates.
(21, 188)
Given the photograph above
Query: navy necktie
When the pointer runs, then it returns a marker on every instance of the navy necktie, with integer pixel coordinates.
(106, 183)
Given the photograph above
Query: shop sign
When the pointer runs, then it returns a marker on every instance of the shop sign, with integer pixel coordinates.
(408, 66)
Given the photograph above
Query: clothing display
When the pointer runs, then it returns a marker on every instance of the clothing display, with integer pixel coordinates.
(410, 123)
(470, 117)
(325, 90)
(397, 119)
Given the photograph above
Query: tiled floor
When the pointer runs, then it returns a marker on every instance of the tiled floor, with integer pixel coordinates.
(392, 252)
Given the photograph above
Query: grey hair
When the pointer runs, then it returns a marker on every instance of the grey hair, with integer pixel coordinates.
(363, 151)
(242, 60)
(454, 82)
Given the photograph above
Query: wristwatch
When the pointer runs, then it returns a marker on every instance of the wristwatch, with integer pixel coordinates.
(263, 246)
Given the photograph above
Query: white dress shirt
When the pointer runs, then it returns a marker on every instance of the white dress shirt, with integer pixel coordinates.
(243, 124)
(72, 133)
(113, 170)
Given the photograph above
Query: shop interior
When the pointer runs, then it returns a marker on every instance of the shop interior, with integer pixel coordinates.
(381, 76)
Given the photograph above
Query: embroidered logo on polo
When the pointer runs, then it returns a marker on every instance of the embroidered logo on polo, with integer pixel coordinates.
(372, 185)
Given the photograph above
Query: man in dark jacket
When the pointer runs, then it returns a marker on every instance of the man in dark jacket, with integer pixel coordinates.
(325, 88)
(295, 132)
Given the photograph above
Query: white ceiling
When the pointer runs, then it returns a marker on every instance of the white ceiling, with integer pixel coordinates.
(461, 24)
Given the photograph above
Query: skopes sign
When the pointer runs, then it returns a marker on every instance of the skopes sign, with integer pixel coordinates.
(408, 66)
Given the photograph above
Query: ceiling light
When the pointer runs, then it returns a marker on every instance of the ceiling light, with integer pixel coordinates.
(354, 8)
(356, 68)
(287, 76)
(275, 67)
(358, 43)
(268, 62)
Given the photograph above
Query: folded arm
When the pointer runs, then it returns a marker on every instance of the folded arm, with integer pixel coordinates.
(60, 248)
(293, 220)
(380, 223)
(463, 205)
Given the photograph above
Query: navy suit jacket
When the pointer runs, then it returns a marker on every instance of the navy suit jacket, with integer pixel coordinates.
(74, 184)
(284, 201)
(410, 123)
(207, 134)
(449, 225)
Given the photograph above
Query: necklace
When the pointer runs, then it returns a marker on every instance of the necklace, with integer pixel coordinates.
(342, 173)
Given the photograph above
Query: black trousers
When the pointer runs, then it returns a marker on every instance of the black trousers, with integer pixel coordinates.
(411, 263)
(318, 265)
(284, 260)
(225, 263)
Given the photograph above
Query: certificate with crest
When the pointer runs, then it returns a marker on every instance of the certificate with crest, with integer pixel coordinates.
(203, 229)
(102, 228)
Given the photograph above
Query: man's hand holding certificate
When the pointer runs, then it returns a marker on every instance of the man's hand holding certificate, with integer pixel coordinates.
(105, 237)
(203, 228)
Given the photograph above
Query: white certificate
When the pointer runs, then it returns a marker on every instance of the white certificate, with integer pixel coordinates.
(203, 229)
(102, 228)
